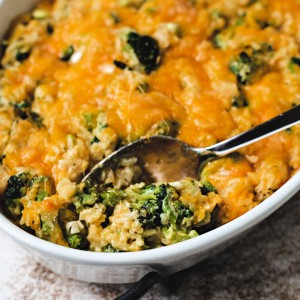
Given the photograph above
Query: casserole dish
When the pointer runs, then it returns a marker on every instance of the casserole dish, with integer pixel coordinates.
(129, 267)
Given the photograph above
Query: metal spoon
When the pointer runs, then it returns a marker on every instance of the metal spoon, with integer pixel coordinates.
(167, 159)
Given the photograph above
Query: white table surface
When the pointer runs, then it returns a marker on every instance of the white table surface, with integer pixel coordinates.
(263, 265)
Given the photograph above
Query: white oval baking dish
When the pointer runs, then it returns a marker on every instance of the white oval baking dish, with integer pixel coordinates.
(130, 267)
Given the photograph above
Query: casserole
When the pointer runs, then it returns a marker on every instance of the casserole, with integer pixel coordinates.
(128, 267)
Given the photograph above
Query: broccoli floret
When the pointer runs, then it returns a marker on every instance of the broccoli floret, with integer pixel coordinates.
(240, 20)
(92, 193)
(207, 188)
(250, 63)
(132, 3)
(49, 29)
(23, 111)
(294, 62)
(22, 55)
(146, 50)
(76, 241)
(36, 119)
(115, 17)
(176, 212)
(150, 213)
(95, 140)
(90, 120)
(143, 87)
(236, 156)
(239, 101)
(148, 201)
(262, 23)
(17, 186)
(221, 38)
(41, 187)
(2, 157)
(46, 230)
(209, 222)
(74, 231)
(88, 195)
(244, 67)
(121, 65)
(222, 34)
(82, 200)
(166, 127)
(217, 40)
(110, 249)
(150, 192)
(112, 196)
(152, 201)
(67, 53)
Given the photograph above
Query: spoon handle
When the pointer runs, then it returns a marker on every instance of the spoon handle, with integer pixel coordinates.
(277, 124)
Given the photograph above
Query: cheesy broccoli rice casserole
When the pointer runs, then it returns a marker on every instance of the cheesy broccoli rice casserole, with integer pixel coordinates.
(79, 79)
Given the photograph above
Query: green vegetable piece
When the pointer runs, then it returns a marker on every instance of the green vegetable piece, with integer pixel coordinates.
(36, 119)
(236, 156)
(2, 157)
(295, 61)
(75, 240)
(42, 186)
(239, 101)
(46, 230)
(115, 16)
(149, 201)
(90, 121)
(150, 214)
(22, 55)
(209, 222)
(22, 109)
(42, 195)
(95, 140)
(244, 67)
(121, 65)
(112, 196)
(143, 87)
(110, 249)
(67, 53)
(132, 3)
(146, 50)
(176, 211)
(82, 200)
(170, 128)
(50, 29)
(262, 24)
(17, 186)
(207, 188)
(93, 193)
(240, 20)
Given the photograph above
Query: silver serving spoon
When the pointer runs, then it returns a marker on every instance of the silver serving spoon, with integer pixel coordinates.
(167, 159)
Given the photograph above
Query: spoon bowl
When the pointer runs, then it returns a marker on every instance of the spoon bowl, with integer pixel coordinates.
(166, 159)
